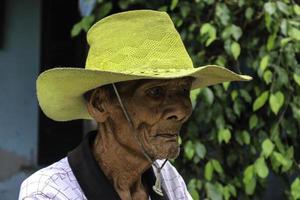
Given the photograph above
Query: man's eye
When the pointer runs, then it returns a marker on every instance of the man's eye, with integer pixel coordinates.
(186, 92)
(155, 91)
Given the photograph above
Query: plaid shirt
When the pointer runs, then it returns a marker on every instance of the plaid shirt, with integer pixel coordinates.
(77, 177)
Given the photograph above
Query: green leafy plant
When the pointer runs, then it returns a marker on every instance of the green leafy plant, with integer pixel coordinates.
(240, 134)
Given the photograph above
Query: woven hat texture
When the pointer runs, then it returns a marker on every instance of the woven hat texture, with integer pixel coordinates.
(140, 44)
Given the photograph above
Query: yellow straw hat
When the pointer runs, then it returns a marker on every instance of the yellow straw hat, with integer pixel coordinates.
(141, 44)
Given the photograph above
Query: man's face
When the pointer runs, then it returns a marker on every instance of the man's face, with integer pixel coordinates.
(158, 108)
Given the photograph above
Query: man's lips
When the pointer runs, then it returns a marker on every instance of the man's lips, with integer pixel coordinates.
(167, 135)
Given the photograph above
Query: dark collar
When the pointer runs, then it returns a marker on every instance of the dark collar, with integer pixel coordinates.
(90, 177)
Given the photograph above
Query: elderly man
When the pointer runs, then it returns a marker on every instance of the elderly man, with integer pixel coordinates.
(136, 86)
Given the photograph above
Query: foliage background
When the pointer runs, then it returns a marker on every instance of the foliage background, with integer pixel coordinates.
(242, 141)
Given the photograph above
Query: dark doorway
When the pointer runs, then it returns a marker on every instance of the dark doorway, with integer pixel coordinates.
(2, 15)
(58, 49)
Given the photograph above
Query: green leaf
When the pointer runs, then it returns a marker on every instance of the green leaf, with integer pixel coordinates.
(226, 33)
(76, 29)
(296, 9)
(87, 22)
(208, 171)
(264, 62)
(217, 166)
(189, 150)
(232, 190)
(261, 168)
(278, 143)
(193, 96)
(294, 33)
(246, 137)
(220, 122)
(241, 3)
(226, 193)
(221, 60)
(219, 187)
(294, 23)
(105, 10)
(234, 94)
(283, 7)
(232, 30)
(282, 76)
(268, 75)
(280, 158)
(208, 2)
(290, 152)
(227, 46)
(249, 180)
(84, 24)
(173, 4)
(163, 8)
(295, 189)
(224, 135)
(260, 101)
(178, 23)
(185, 10)
(289, 155)
(193, 186)
(179, 140)
(288, 166)
(249, 13)
(236, 32)
(124, 4)
(235, 50)
(276, 101)
(209, 95)
(268, 21)
(223, 13)
(271, 42)
(200, 149)
(194, 193)
(296, 112)
(238, 107)
(211, 31)
(253, 121)
(270, 7)
(267, 147)
(284, 26)
(245, 94)
(213, 192)
(226, 85)
(285, 41)
(238, 137)
(248, 173)
(296, 78)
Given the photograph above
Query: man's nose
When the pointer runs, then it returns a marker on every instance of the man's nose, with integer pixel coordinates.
(177, 108)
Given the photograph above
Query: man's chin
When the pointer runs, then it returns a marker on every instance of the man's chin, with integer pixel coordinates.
(171, 153)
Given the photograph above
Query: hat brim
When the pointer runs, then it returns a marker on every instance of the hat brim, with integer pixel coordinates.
(60, 90)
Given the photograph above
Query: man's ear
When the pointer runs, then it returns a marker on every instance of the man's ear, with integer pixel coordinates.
(96, 109)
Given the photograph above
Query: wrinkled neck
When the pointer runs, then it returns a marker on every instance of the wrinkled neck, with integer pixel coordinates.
(122, 166)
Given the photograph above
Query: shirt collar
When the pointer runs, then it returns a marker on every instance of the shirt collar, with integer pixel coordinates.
(90, 177)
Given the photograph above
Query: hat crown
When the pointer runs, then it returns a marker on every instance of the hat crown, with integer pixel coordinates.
(136, 40)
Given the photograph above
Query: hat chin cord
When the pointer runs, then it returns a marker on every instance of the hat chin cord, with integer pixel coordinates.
(157, 187)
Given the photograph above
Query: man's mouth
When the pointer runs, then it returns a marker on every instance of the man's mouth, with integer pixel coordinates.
(171, 136)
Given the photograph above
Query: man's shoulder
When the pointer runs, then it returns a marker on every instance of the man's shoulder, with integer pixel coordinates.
(56, 181)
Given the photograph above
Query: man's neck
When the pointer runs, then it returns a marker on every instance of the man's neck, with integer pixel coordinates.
(122, 167)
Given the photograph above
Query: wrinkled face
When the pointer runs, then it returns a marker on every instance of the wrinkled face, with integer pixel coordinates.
(158, 108)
